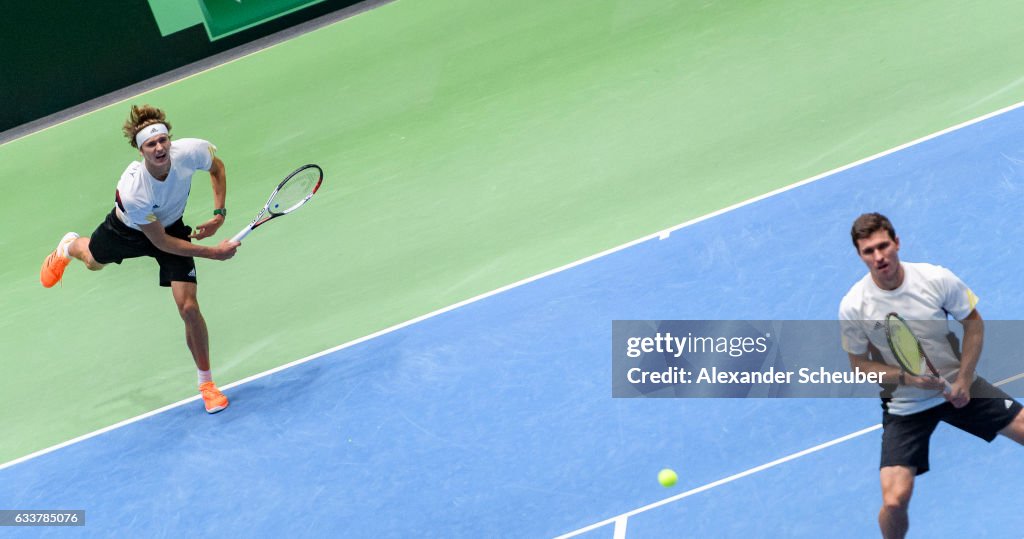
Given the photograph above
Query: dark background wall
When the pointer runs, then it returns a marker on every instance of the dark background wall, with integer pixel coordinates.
(55, 55)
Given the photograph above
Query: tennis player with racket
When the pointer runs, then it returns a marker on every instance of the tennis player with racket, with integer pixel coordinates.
(898, 313)
(146, 221)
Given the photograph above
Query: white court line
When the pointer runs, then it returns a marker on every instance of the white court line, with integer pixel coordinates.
(665, 233)
(620, 520)
(624, 516)
(519, 283)
(620, 529)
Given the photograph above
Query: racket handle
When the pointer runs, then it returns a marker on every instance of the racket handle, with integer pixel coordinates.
(948, 388)
(241, 235)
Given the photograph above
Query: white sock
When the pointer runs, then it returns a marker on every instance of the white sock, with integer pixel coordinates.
(204, 376)
(67, 244)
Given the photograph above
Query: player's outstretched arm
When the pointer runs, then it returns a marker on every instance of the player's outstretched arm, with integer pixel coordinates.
(177, 246)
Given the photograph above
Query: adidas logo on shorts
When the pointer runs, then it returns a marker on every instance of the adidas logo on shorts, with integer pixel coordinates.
(192, 273)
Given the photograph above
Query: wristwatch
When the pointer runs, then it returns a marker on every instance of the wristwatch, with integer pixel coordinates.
(221, 211)
(903, 380)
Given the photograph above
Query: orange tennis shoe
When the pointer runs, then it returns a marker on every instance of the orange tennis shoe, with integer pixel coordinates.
(53, 267)
(214, 400)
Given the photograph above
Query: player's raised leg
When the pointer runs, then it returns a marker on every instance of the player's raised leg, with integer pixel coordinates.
(79, 248)
(70, 246)
(897, 487)
(1015, 430)
(198, 340)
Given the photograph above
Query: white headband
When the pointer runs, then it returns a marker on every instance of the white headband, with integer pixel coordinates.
(149, 131)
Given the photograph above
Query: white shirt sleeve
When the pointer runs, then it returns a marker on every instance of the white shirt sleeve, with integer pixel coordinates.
(957, 299)
(197, 154)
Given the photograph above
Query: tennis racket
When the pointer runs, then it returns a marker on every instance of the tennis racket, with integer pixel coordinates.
(907, 348)
(290, 194)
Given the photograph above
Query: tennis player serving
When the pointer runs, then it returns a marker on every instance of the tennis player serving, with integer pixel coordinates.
(146, 221)
(872, 316)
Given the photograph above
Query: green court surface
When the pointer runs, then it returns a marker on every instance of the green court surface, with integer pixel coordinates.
(466, 146)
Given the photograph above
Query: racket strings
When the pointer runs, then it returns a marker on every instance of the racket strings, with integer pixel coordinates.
(294, 192)
(905, 347)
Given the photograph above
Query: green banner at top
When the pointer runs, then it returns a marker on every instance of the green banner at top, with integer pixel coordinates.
(221, 17)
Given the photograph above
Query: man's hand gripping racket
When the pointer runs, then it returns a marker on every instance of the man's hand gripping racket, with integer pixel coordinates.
(294, 191)
(907, 350)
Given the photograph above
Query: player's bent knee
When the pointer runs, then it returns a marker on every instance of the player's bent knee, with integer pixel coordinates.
(188, 309)
(896, 501)
(896, 494)
(897, 487)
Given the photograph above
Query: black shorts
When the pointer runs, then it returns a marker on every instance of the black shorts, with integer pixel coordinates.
(905, 438)
(114, 241)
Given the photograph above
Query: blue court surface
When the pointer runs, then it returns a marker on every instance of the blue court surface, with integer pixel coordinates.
(495, 419)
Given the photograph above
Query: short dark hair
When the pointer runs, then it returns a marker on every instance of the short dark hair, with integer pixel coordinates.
(868, 224)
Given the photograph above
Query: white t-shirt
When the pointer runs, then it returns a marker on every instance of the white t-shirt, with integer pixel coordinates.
(928, 294)
(142, 199)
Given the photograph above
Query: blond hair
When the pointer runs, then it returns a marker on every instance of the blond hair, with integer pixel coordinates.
(141, 118)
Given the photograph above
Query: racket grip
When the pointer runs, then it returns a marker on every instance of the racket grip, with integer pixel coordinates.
(241, 235)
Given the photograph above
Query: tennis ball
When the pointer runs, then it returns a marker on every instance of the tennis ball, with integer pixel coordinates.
(667, 477)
